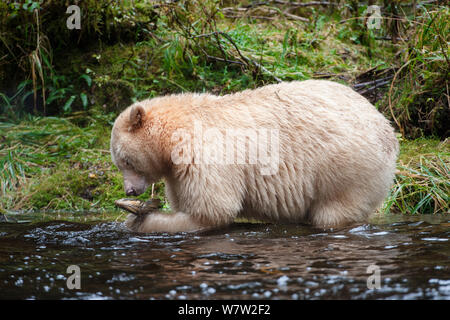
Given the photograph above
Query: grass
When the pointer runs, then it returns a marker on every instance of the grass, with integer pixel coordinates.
(422, 182)
(38, 155)
(58, 164)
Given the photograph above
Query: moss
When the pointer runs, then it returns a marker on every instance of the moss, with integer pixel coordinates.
(411, 150)
(114, 95)
(66, 188)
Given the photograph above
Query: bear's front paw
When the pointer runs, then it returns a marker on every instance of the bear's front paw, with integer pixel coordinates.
(133, 222)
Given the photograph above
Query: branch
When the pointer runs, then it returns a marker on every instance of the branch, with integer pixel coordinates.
(246, 61)
(363, 84)
(266, 71)
(377, 85)
(294, 17)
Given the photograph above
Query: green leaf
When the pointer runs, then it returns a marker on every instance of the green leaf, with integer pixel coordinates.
(56, 94)
(67, 106)
(84, 100)
(87, 78)
(5, 99)
(34, 5)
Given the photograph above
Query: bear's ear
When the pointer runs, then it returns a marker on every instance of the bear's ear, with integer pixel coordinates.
(136, 117)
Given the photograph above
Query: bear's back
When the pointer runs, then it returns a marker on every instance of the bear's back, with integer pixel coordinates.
(330, 143)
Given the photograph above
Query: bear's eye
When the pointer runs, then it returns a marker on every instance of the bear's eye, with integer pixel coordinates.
(127, 163)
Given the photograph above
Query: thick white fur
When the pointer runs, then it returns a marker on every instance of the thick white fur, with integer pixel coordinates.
(337, 157)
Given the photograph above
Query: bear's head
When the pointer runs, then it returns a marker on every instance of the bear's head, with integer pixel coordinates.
(134, 150)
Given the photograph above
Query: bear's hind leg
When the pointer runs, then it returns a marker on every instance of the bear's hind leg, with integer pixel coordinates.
(338, 212)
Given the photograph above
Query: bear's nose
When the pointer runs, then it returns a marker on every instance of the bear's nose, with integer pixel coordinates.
(131, 192)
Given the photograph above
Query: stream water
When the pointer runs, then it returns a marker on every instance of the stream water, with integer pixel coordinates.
(411, 255)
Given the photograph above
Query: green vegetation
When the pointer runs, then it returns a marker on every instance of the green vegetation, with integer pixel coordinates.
(422, 183)
(51, 163)
(419, 92)
(61, 89)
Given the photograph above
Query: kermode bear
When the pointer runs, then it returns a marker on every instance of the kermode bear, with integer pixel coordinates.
(312, 152)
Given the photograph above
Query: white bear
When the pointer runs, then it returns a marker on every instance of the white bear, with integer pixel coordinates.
(310, 151)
